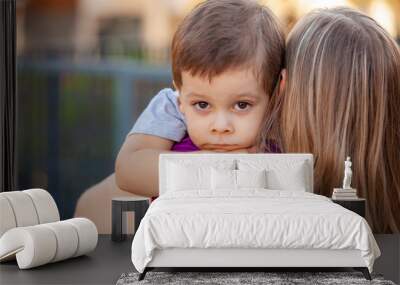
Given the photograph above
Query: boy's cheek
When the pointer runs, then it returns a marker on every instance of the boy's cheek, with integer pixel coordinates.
(248, 137)
(248, 130)
(194, 119)
(196, 127)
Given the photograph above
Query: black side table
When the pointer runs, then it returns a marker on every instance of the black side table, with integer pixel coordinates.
(356, 205)
(138, 205)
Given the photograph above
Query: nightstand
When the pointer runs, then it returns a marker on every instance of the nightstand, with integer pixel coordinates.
(138, 205)
(355, 205)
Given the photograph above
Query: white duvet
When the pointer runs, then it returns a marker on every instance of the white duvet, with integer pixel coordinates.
(251, 218)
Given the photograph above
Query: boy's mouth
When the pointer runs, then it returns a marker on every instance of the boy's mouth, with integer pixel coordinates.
(221, 146)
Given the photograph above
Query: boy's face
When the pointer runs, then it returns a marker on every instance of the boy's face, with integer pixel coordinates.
(224, 114)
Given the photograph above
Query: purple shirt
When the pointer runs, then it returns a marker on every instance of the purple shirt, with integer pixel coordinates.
(185, 145)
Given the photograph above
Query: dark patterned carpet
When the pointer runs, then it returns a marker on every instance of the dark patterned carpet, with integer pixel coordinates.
(225, 278)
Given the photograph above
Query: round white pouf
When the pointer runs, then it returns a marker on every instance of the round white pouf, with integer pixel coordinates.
(23, 208)
(87, 234)
(40, 244)
(45, 205)
(33, 246)
(67, 240)
(7, 218)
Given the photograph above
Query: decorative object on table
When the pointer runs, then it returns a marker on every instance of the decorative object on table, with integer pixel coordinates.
(347, 174)
(121, 205)
(243, 278)
(31, 231)
(345, 193)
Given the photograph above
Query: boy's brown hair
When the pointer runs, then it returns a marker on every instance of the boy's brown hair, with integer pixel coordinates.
(222, 34)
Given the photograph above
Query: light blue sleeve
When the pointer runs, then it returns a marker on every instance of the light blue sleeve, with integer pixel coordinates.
(162, 117)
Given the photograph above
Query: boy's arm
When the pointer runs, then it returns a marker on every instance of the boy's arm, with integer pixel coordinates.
(136, 167)
(155, 131)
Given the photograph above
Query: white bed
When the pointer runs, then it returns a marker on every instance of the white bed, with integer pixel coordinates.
(264, 216)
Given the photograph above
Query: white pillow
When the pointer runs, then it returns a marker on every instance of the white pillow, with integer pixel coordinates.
(281, 174)
(181, 177)
(235, 179)
(223, 179)
(251, 178)
(184, 174)
(294, 178)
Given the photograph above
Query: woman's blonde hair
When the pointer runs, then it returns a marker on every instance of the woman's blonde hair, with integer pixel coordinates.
(342, 98)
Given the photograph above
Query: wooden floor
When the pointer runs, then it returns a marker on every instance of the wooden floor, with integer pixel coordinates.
(389, 262)
(110, 260)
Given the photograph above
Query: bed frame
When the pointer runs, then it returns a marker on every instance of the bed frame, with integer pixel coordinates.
(248, 259)
(234, 259)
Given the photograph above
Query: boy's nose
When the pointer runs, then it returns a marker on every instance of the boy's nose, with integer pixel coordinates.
(221, 125)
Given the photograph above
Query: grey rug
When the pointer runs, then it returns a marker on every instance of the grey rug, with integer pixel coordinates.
(285, 278)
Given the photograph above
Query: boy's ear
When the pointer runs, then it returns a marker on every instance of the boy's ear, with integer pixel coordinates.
(180, 105)
(282, 82)
(173, 84)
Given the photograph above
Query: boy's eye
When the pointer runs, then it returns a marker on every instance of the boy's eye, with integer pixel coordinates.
(201, 105)
(242, 105)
